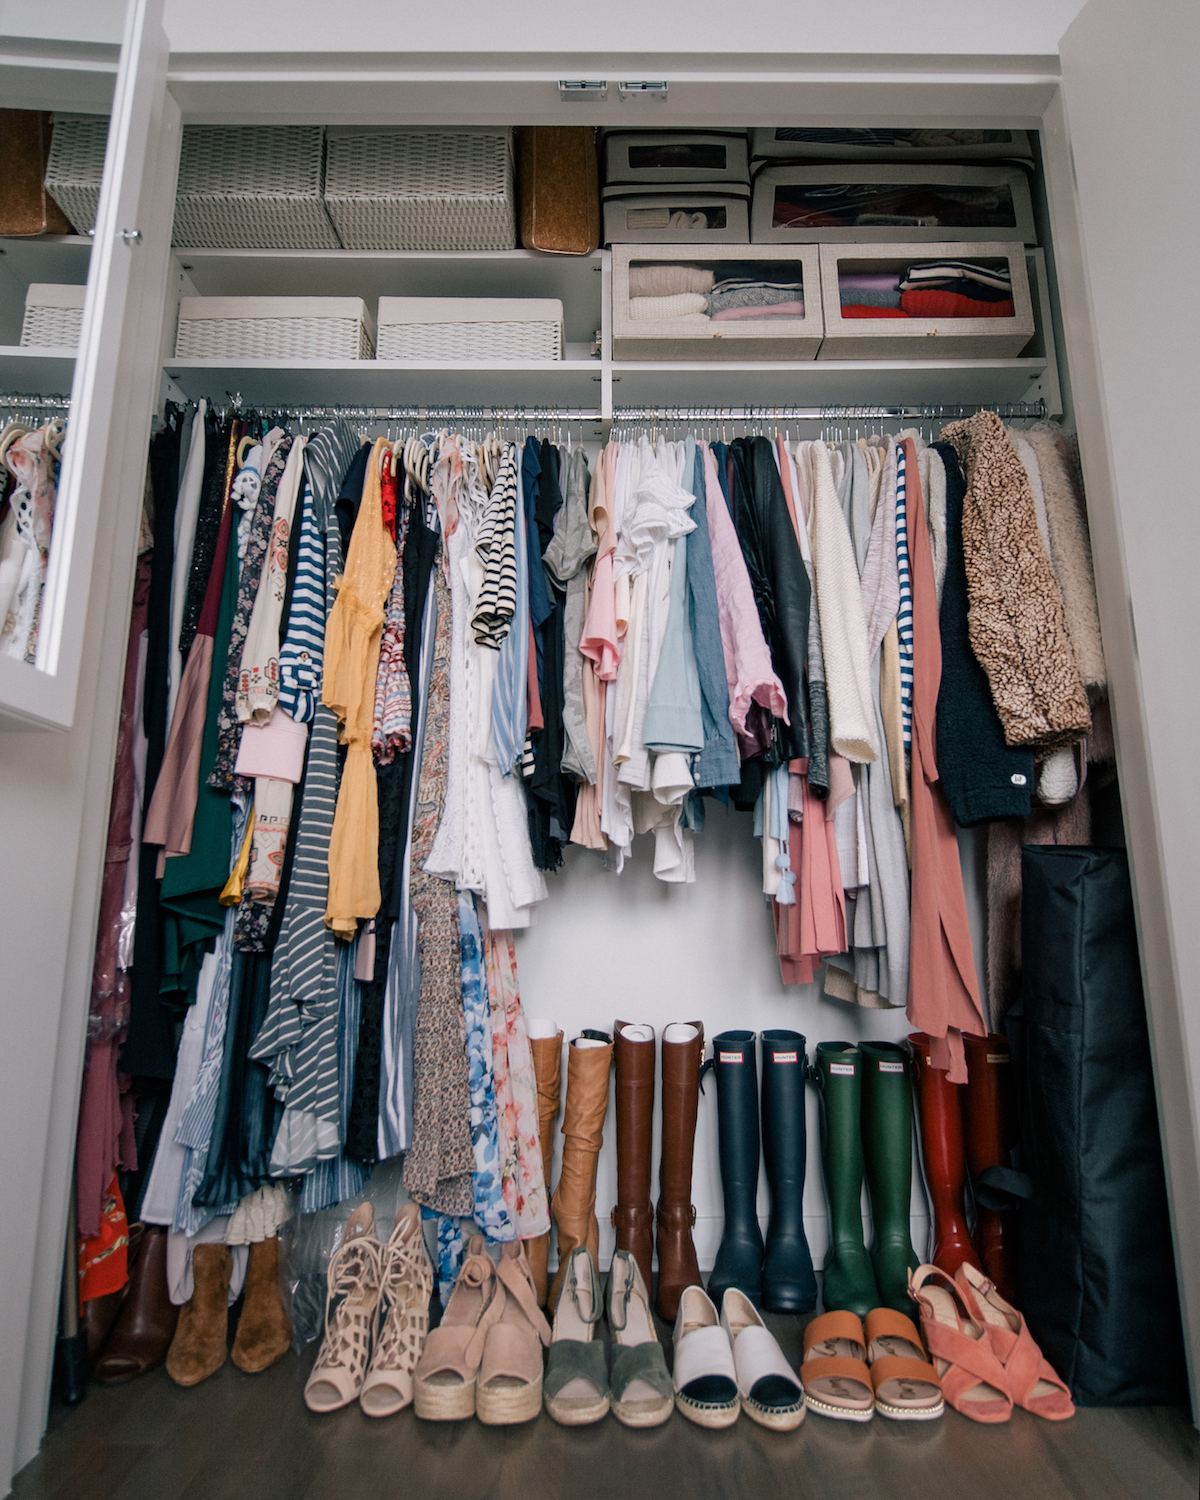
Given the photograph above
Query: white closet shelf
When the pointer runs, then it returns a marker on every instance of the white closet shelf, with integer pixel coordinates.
(48, 257)
(370, 274)
(47, 372)
(827, 382)
(262, 382)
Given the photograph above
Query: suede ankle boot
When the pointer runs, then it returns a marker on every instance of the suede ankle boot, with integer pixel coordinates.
(264, 1331)
(739, 1259)
(201, 1338)
(945, 1162)
(573, 1206)
(849, 1284)
(678, 1268)
(633, 1217)
(547, 1073)
(887, 1153)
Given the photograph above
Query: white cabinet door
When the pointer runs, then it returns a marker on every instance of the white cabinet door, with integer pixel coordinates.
(1128, 179)
(114, 344)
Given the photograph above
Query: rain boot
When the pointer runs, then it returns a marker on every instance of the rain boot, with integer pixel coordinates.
(788, 1281)
(264, 1331)
(739, 1259)
(849, 1284)
(989, 1115)
(945, 1162)
(199, 1347)
(682, 1055)
(633, 1216)
(573, 1206)
(887, 1152)
(547, 1072)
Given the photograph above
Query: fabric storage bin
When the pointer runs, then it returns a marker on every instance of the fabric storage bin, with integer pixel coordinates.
(890, 337)
(252, 187)
(75, 167)
(470, 328)
(53, 316)
(558, 188)
(701, 215)
(25, 206)
(421, 189)
(278, 328)
(654, 157)
(637, 278)
(886, 143)
(871, 205)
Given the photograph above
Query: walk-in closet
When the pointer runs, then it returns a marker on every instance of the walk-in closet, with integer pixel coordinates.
(594, 692)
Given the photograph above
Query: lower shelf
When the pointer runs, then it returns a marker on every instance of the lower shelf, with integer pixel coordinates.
(30, 371)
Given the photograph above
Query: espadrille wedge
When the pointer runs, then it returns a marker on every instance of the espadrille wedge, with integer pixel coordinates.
(448, 1369)
(510, 1373)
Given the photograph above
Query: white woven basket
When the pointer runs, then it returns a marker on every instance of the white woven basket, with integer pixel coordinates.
(75, 167)
(470, 328)
(252, 187)
(278, 328)
(53, 316)
(421, 189)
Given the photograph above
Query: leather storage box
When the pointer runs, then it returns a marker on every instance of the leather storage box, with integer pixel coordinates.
(558, 188)
(25, 206)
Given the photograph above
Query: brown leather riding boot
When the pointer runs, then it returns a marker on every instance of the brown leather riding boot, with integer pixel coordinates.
(264, 1331)
(199, 1347)
(146, 1322)
(547, 1072)
(682, 1054)
(633, 1216)
(574, 1204)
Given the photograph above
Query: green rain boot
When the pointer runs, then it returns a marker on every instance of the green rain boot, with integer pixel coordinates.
(887, 1147)
(849, 1284)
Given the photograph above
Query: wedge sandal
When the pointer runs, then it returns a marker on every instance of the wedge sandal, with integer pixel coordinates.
(1032, 1381)
(575, 1386)
(510, 1372)
(640, 1386)
(706, 1387)
(351, 1307)
(973, 1379)
(907, 1387)
(771, 1395)
(834, 1373)
(447, 1372)
(405, 1287)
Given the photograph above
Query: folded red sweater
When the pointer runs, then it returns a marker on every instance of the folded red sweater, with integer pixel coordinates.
(854, 310)
(934, 304)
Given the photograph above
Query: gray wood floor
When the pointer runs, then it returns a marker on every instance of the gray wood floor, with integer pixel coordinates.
(241, 1435)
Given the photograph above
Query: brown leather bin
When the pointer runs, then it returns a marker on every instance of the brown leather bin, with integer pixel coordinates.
(559, 188)
(25, 206)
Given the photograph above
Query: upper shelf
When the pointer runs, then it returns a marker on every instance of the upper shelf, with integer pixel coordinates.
(43, 372)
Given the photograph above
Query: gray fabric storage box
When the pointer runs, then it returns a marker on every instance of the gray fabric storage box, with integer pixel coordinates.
(638, 215)
(652, 158)
(887, 143)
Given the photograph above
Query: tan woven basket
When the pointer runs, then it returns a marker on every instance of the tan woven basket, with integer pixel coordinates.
(75, 167)
(470, 328)
(252, 187)
(285, 329)
(53, 316)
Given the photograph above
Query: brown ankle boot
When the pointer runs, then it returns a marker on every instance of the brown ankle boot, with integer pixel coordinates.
(199, 1347)
(574, 1203)
(146, 1323)
(264, 1332)
(682, 1054)
(633, 1216)
(547, 1071)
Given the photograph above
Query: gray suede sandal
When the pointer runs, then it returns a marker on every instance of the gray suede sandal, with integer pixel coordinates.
(642, 1393)
(575, 1386)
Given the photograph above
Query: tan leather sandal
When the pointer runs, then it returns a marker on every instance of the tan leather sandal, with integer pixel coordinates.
(447, 1372)
(973, 1379)
(405, 1287)
(351, 1304)
(510, 1373)
(1032, 1380)
(907, 1387)
(836, 1380)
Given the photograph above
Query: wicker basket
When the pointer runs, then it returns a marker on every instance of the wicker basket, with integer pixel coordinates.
(252, 187)
(277, 328)
(470, 328)
(75, 167)
(53, 316)
(421, 189)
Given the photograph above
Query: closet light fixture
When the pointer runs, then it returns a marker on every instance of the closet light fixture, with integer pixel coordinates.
(643, 90)
(583, 88)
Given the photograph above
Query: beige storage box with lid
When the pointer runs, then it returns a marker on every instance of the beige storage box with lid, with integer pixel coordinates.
(695, 335)
(707, 214)
(274, 328)
(53, 316)
(470, 328)
(872, 205)
(922, 338)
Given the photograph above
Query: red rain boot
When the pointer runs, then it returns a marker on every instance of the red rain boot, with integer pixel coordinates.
(945, 1164)
(989, 1117)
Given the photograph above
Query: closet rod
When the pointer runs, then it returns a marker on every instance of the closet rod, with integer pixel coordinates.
(932, 411)
(14, 402)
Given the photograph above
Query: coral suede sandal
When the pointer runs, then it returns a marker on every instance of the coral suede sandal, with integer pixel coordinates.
(836, 1380)
(1032, 1381)
(973, 1379)
(906, 1385)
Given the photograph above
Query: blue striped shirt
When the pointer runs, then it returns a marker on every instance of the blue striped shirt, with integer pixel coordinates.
(904, 617)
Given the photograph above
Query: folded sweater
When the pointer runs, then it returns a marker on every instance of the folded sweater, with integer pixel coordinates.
(677, 306)
(666, 281)
(938, 304)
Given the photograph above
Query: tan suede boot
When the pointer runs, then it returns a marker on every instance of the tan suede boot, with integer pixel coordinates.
(199, 1346)
(574, 1204)
(547, 1070)
(264, 1331)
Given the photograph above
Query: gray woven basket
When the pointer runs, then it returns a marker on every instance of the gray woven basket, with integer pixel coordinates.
(421, 189)
(75, 167)
(252, 187)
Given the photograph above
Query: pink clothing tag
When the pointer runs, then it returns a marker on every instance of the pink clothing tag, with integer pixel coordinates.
(364, 959)
(274, 749)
